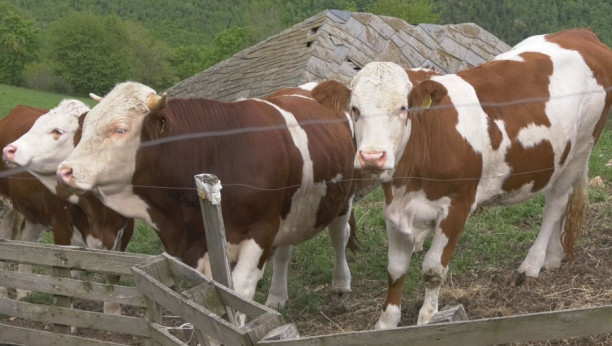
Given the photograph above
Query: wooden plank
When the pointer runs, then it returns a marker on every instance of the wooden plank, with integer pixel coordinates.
(206, 294)
(34, 337)
(74, 317)
(262, 325)
(161, 337)
(62, 301)
(200, 318)
(229, 297)
(101, 261)
(70, 287)
(530, 327)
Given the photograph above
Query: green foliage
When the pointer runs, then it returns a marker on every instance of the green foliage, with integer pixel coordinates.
(151, 58)
(515, 20)
(91, 53)
(412, 11)
(17, 46)
(188, 60)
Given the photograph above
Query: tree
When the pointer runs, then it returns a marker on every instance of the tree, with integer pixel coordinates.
(151, 58)
(412, 11)
(17, 46)
(188, 60)
(91, 53)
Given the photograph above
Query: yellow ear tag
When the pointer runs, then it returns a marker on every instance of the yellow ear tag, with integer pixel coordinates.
(428, 103)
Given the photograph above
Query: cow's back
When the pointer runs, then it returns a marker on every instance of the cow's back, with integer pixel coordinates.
(544, 104)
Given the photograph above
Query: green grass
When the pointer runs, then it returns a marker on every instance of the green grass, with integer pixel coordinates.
(12, 96)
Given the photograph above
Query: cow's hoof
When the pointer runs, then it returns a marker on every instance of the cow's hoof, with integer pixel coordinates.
(517, 278)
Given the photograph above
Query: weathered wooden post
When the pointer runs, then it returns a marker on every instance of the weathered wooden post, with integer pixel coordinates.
(209, 191)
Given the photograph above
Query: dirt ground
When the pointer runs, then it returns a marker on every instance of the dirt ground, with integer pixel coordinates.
(484, 293)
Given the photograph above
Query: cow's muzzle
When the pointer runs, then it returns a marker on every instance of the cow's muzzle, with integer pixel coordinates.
(372, 160)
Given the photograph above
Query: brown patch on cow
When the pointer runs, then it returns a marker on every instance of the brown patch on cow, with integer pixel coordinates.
(514, 92)
(420, 75)
(495, 134)
(387, 190)
(79, 132)
(453, 224)
(566, 152)
(597, 56)
(535, 164)
(437, 158)
(332, 94)
(394, 293)
(334, 132)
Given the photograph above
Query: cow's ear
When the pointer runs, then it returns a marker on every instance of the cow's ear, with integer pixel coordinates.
(333, 95)
(426, 94)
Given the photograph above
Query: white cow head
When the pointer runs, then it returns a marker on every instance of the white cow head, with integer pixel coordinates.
(49, 141)
(106, 154)
(379, 109)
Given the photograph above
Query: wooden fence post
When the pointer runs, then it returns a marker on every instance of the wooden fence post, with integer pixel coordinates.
(209, 191)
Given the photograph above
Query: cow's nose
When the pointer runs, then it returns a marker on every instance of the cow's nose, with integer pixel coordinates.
(8, 153)
(372, 159)
(64, 174)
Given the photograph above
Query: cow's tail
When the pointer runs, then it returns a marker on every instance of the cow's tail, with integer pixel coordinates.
(574, 214)
(353, 243)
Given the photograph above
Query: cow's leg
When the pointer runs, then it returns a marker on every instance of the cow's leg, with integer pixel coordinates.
(248, 271)
(564, 204)
(437, 258)
(31, 232)
(339, 233)
(277, 296)
(400, 250)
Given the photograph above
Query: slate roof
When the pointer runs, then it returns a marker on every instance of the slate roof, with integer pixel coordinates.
(335, 45)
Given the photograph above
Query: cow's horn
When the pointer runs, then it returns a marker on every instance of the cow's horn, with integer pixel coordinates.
(96, 97)
(156, 102)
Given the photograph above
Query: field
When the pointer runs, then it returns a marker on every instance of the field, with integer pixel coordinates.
(494, 243)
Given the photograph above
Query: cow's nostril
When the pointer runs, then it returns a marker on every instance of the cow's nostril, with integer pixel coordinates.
(9, 152)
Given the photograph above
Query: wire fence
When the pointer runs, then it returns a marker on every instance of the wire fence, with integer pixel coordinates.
(10, 173)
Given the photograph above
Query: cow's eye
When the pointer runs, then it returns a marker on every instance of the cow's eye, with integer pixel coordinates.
(403, 108)
(120, 131)
(355, 113)
(57, 132)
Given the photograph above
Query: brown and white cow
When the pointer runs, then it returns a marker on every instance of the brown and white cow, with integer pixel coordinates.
(498, 134)
(282, 182)
(47, 137)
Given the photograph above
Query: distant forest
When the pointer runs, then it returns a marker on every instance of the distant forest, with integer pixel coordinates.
(79, 46)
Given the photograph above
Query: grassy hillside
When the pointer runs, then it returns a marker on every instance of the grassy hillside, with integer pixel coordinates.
(13, 96)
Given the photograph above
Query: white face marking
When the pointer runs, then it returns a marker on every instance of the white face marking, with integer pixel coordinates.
(380, 96)
(51, 138)
(106, 154)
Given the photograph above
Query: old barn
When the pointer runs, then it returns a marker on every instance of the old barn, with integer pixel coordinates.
(335, 45)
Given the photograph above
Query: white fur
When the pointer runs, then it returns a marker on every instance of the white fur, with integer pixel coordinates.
(389, 318)
(40, 150)
(379, 90)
